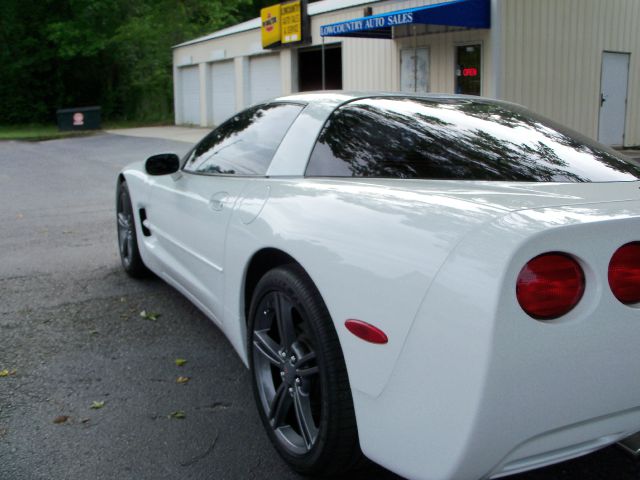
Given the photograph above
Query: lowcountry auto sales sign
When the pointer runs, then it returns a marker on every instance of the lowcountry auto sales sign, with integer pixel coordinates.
(291, 22)
(372, 23)
(284, 23)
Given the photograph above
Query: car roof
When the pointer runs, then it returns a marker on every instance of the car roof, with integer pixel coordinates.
(297, 145)
(295, 149)
(333, 98)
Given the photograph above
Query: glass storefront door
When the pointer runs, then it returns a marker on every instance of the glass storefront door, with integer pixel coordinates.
(469, 69)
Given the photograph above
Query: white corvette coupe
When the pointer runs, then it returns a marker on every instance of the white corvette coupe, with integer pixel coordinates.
(448, 286)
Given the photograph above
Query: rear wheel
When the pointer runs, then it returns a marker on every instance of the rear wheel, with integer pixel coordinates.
(127, 238)
(299, 376)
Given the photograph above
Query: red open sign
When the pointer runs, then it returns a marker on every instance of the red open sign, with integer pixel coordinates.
(470, 72)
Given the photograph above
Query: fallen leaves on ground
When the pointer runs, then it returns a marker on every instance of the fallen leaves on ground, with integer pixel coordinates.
(60, 419)
(149, 315)
(179, 414)
(7, 373)
(95, 405)
(183, 379)
(180, 361)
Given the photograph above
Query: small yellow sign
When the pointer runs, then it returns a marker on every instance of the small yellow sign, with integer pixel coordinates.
(270, 17)
(291, 19)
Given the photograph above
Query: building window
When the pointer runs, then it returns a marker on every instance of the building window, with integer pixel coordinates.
(469, 69)
(414, 70)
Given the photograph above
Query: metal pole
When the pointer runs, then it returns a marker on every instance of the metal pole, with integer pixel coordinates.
(324, 83)
(415, 59)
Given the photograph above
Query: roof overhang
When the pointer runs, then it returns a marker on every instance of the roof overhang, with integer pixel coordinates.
(315, 8)
(456, 13)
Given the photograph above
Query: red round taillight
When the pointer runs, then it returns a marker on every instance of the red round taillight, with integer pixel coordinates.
(624, 273)
(550, 285)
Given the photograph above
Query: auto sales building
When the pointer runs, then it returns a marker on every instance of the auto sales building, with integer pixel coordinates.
(575, 61)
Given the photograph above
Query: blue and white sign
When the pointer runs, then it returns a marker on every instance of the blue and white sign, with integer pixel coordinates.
(370, 23)
(461, 13)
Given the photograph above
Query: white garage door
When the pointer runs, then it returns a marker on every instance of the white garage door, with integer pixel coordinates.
(223, 95)
(190, 92)
(264, 78)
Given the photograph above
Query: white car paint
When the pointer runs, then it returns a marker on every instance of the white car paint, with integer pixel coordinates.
(468, 385)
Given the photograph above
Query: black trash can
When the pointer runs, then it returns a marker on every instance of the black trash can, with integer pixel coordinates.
(81, 118)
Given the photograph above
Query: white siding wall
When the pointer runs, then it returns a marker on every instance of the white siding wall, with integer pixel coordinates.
(374, 64)
(552, 57)
(550, 54)
(236, 47)
(367, 64)
(443, 56)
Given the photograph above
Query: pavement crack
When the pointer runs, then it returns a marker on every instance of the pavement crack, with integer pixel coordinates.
(215, 406)
(197, 458)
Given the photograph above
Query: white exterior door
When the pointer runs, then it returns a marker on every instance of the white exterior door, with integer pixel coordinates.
(265, 79)
(190, 95)
(223, 91)
(414, 70)
(613, 98)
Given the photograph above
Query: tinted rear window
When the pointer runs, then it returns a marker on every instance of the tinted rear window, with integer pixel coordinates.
(458, 139)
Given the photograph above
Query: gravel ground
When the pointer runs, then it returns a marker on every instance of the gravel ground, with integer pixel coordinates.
(70, 327)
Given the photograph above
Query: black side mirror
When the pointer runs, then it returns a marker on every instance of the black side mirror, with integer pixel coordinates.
(162, 164)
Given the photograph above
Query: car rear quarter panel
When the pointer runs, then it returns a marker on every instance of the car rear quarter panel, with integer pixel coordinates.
(489, 388)
(372, 252)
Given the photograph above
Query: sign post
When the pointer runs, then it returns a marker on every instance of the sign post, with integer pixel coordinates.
(324, 73)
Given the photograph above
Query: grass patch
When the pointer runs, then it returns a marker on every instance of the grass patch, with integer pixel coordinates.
(37, 133)
(116, 124)
(40, 132)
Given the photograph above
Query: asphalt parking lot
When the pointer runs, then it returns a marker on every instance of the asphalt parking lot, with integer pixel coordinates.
(71, 334)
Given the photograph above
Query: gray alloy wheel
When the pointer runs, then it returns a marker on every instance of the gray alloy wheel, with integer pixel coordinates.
(300, 381)
(127, 238)
(284, 362)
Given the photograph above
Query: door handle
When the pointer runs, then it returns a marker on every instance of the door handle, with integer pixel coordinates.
(602, 99)
(217, 201)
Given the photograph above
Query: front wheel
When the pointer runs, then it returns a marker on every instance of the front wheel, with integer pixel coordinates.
(127, 238)
(299, 376)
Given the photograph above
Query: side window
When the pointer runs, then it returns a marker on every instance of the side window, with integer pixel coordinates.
(246, 143)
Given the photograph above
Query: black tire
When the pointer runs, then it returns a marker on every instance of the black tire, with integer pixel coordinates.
(304, 369)
(127, 237)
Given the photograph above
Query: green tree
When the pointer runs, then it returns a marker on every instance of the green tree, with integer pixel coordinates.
(113, 53)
